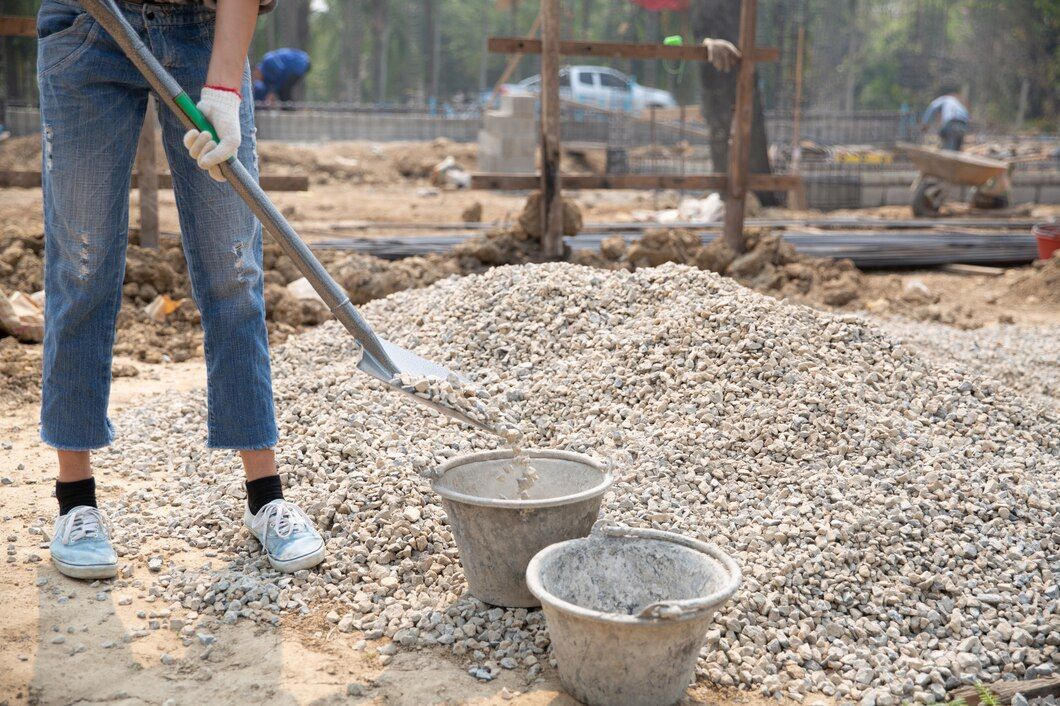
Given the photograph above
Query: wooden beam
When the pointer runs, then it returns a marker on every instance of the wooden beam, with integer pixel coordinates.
(699, 182)
(513, 61)
(147, 171)
(1005, 690)
(28, 179)
(740, 134)
(551, 194)
(12, 26)
(618, 50)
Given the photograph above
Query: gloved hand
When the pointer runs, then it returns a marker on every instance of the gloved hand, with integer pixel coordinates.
(722, 54)
(221, 108)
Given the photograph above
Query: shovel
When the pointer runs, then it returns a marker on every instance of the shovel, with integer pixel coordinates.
(380, 358)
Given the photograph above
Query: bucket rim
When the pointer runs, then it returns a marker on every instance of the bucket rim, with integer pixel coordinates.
(655, 613)
(606, 479)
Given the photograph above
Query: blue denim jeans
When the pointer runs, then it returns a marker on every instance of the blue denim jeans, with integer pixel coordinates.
(92, 107)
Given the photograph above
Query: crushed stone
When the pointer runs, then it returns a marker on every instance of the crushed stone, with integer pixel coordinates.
(894, 514)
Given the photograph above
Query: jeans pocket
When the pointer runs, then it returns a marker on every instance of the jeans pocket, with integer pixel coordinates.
(63, 34)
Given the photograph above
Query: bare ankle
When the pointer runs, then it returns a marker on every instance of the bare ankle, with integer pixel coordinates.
(259, 463)
(74, 466)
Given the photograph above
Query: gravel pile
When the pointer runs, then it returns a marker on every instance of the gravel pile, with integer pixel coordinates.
(895, 518)
(1027, 358)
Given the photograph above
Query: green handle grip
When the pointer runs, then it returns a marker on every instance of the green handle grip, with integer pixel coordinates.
(195, 115)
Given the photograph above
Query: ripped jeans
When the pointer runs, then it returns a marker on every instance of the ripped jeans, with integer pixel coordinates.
(92, 106)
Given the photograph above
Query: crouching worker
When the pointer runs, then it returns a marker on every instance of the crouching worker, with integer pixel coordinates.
(90, 97)
(279, 73)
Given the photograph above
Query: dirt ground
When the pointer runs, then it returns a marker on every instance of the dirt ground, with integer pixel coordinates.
(69, 642)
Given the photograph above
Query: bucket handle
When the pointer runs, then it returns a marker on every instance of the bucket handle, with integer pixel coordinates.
(669, 610)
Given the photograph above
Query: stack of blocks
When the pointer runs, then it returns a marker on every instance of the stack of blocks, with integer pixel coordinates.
(507, 142)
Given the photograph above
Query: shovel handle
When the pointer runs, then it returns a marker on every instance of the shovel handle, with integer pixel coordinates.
(185, 103)
(107, 14)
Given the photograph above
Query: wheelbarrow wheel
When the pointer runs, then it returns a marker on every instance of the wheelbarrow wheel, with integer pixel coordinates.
(928, 198)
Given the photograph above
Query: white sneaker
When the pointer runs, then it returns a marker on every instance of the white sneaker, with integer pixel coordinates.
(287, 535)
(81, 546)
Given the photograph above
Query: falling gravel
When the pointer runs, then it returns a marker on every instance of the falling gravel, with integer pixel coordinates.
(895, 516)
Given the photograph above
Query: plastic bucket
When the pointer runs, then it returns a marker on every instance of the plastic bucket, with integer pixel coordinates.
(627, 611)
(497, 533)
(1048, 237)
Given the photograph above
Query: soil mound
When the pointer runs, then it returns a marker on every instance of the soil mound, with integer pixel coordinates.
(770, 265)
(1041, 282)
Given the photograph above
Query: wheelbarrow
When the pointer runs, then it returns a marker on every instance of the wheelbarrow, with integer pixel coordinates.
(941, 169)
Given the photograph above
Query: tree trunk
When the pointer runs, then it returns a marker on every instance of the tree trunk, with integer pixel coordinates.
(430, 82)
(293, 31)
(720, 19)
(351, 50)
(651, 30)
(380, 47)
(484, 61)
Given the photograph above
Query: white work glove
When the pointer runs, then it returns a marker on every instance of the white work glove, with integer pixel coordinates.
(221, 108)
(722, 54)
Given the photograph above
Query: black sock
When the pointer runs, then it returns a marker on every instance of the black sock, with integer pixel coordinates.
(78, 492)
(262, 491)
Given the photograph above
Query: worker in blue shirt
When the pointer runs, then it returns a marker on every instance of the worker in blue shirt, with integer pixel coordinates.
(279, 72)
(953, 120)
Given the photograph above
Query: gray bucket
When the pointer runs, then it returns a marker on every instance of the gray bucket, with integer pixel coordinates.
(497, 533)
(627, 611)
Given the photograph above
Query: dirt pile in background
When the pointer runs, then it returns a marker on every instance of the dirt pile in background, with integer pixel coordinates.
(770, 265)
(363, 162)
(20, 152)
(334, 162)
(1040, 283)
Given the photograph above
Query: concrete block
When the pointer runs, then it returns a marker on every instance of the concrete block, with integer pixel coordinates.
(1049, 194)
(1023, 194)
(519, 106)
(872, 196)
(499, 124)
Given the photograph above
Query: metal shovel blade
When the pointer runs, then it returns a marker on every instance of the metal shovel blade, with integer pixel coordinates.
(409, 363)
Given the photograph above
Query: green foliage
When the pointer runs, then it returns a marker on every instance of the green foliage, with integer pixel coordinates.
(986, 697)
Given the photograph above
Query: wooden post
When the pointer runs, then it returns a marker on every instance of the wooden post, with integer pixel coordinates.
(147, 177)
(797, 197)
(740, 134)
(551, 197)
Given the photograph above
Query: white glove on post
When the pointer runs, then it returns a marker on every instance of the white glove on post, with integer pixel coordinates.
(722, 54)
(221, 108)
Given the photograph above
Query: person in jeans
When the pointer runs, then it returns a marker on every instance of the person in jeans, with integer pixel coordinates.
(92, 106)
(953, 120)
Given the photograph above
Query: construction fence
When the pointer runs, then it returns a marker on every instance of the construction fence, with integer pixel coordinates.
(327, 122)
(846, 160)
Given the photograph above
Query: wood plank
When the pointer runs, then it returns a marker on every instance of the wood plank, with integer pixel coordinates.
(28, 179)
(551, 187)
(765, 55)
(1005, 690)
(740, 135)
(974, 270)
(13, 26)
(715, 182)
(147, 173)
(617, 50)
